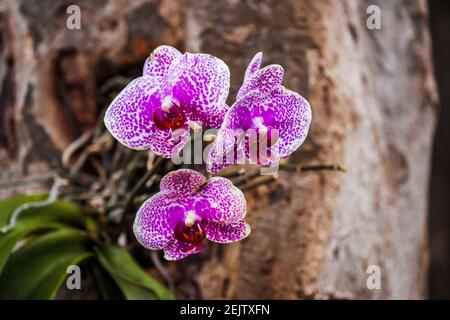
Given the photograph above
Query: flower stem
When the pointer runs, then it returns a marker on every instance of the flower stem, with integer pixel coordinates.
(252, 181)
(246, 178)
(258, 182)
(232, 173)
(313, 167)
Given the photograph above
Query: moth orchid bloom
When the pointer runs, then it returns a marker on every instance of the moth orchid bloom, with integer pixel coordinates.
(188, 209)
(155, 110)
(267, 122)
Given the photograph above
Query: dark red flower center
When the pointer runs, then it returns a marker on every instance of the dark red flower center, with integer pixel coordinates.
(169, 116)
(192, 234)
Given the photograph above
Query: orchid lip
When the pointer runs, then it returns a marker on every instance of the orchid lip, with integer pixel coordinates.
(169, 116)
(191, 234)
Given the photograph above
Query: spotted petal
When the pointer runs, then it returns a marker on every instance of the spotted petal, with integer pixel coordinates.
(214, 119)
(200, 85)
(286, 113)
(176, 250)
(158, 63)
(226, 150)
(227, 201)
(218, 161)
(182, 182)
(290, 114)
(168, 143)
(156, 220)
(263, 80)
(129, 117)
(228, 146)
(254, 65)
(226, 232)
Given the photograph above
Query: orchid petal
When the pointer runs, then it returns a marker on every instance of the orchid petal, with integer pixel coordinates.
(182, 182)
(225, 198)
(290, 114)
(226, 150)
(156, 220)
(129, 117)
(263, 80)
(254, 65)
(168, 143)
(176, 250)
(228, 145)
(226, 232)
(158, 63)
(200, 85)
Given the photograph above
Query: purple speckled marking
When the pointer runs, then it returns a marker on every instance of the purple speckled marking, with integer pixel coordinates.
(216, 206)
(227, 201)
(167, 143)
(160, 60)
(254, 65)
(156, 220)
(223, 152)
(225, 233)
(182, 182)
(128, 118)
(201, 84)
(177, 250)
(263, 80)
(197, 84)
(262, 103)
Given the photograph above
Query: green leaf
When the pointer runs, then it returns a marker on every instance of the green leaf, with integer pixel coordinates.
(107, 288)
(32, 220)
(49, 286)
(134, 282)
(37, 270)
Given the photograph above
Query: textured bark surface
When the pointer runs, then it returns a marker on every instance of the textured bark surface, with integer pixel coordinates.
(50, 74)
(372, 94)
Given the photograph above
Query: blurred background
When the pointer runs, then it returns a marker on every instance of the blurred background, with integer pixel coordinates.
(380, 101)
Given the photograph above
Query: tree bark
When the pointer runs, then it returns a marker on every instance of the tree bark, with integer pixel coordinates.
(373, 99)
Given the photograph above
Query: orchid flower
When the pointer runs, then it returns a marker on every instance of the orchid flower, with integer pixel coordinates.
(155, 110)
(188, 209)
(266, 116)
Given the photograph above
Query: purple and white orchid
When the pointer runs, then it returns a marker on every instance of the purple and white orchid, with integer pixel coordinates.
(267, 122)
(155, 110)
(188, 209)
